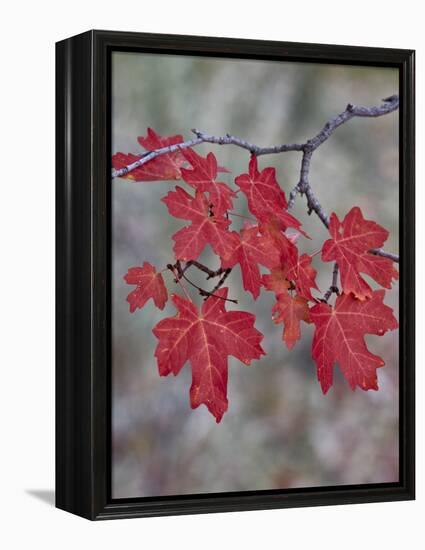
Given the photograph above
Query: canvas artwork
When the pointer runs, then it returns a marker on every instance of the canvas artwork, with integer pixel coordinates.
(254, 275)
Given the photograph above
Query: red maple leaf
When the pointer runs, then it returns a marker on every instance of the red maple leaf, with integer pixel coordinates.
(149, 284)
(287, 249)
(291, 268)
(290, 310)
(206, 228)
(252, 249)
(265, 197)
(299, 271)
(202, 177)
(206, 339)
(351, 240)
(304, 276)
(339, 338)
(276, 281)
(163, 167)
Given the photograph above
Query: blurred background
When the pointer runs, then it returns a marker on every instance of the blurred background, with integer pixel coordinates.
(280, 430)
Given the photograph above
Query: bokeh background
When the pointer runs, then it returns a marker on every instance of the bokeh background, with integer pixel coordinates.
(280, 430)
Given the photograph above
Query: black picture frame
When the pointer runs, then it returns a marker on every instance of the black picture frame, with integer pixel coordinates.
(83, 378)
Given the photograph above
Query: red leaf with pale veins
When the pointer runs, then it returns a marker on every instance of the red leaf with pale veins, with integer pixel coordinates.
(291, 311)
(206, 339)
(163, 167)
(304, 276)
(251, 249)
(149, 284)
(205, 228)
(351, 240)
(265, 197)
(203, 171)
(339, 338)
(182, 204)
(202, 177)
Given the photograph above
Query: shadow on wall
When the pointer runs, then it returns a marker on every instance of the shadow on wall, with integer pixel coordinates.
(45, 495)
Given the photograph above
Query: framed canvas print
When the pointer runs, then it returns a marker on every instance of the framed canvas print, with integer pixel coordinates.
(235, 275)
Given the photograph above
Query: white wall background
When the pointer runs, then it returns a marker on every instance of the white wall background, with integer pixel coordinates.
(28, 33)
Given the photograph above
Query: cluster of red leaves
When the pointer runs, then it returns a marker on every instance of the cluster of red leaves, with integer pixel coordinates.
(207, 337)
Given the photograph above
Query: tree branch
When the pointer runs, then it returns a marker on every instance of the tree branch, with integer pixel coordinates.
(303, 186)
(256, 150)
(307, 149)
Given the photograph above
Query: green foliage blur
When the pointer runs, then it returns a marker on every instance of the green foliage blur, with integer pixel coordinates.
(280, 430)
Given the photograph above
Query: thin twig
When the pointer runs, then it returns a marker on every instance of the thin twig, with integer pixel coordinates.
(380, 252)
(223, 278)
(210, 272)
(179, 273)
(207, 293)
(334, 286)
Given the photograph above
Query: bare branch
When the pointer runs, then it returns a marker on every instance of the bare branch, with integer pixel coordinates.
(256, 150)
(390, 104)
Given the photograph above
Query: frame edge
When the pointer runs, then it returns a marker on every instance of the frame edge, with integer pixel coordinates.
(74, 469)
